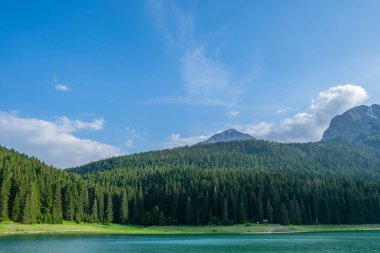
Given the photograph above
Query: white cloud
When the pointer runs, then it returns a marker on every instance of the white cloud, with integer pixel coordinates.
(61, 87)
(53, 142)
(175, 140)
(257, 130)
(233, 113)
(175, 25)
(73, 125)
(205, 79)
(310, 125)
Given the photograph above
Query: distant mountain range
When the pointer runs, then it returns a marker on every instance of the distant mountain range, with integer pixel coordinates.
(227, 136)
(359, 125)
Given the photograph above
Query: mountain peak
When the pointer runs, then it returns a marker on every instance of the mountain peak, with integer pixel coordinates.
(230, 131)
(355, 124)
(227, 136)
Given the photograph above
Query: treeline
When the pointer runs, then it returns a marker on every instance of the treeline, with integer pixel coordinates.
(196, 186)
(325, 158)
(215, 196)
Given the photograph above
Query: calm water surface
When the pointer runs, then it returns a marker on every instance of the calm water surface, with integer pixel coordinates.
(311, 242)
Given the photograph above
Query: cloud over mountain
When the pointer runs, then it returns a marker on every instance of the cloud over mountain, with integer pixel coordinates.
(309, 125)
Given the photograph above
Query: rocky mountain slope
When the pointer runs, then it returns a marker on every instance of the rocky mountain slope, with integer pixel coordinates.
(360, 124)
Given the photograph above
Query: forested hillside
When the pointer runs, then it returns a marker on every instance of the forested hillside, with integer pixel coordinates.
(324, 158)
(32, 192)
(224, 183)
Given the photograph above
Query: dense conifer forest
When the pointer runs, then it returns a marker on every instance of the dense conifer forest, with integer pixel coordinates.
(223, 183)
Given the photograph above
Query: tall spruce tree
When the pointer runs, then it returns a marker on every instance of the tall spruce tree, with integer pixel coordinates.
(269, 212)
(123, 212)
(5, 191)
(283, 216)
(108, 213)
(57, 204)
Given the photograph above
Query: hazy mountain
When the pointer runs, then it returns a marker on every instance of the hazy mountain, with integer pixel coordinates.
(360, 124)
(227, 136)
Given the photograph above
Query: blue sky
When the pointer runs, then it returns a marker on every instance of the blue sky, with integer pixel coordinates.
(93, 79)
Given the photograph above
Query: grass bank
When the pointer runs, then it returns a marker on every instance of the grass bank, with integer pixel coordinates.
(73, 228)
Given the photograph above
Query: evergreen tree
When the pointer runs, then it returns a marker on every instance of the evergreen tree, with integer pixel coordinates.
(294, 212)
(94, 211)
(31, 206)
(46, 202)
(16, 208)
(5, 187)
(108, 215)
(215, 202)
(225, 211)
(260, 210)
(242, 212)
(283, 216)
(68, 203)
(269, 212)
(188, 211)
(124, 212)
(57, 205)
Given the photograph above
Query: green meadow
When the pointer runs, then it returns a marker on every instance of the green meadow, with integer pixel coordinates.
(85, 228)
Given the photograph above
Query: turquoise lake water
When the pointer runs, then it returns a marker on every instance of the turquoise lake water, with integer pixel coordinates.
(301, 242)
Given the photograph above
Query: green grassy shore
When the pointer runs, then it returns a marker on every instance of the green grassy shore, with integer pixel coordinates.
(73, 228)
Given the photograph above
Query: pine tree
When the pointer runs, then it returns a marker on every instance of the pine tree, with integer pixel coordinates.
(31, 206)
(140, 201)
(242, 212)
(124, 212)
(135, 210)
(269, 212)
(16, 208)
(188, 211)
(57, 205)
(174, 205)
(101, 207)
(94, 210)
(46, 201)
(5, 187)
(292, 212)
(260, 210)
(68, 203)
(108, 213)
(276, 204)
(283, 217)
(86, 201)
(215, 202)
(225, 210)
(297, 214)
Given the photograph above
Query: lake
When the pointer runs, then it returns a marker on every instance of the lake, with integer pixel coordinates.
(366, 241)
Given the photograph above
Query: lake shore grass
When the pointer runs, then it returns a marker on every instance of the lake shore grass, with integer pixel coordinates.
(84, 228)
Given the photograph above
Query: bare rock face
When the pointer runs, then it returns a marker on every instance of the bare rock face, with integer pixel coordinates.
(359, 124)
(226, 136)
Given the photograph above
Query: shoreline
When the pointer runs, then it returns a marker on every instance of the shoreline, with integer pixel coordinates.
(7, 229)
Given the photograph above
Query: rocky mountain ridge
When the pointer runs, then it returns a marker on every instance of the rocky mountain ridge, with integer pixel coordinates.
(227, 136)
(359, 124)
